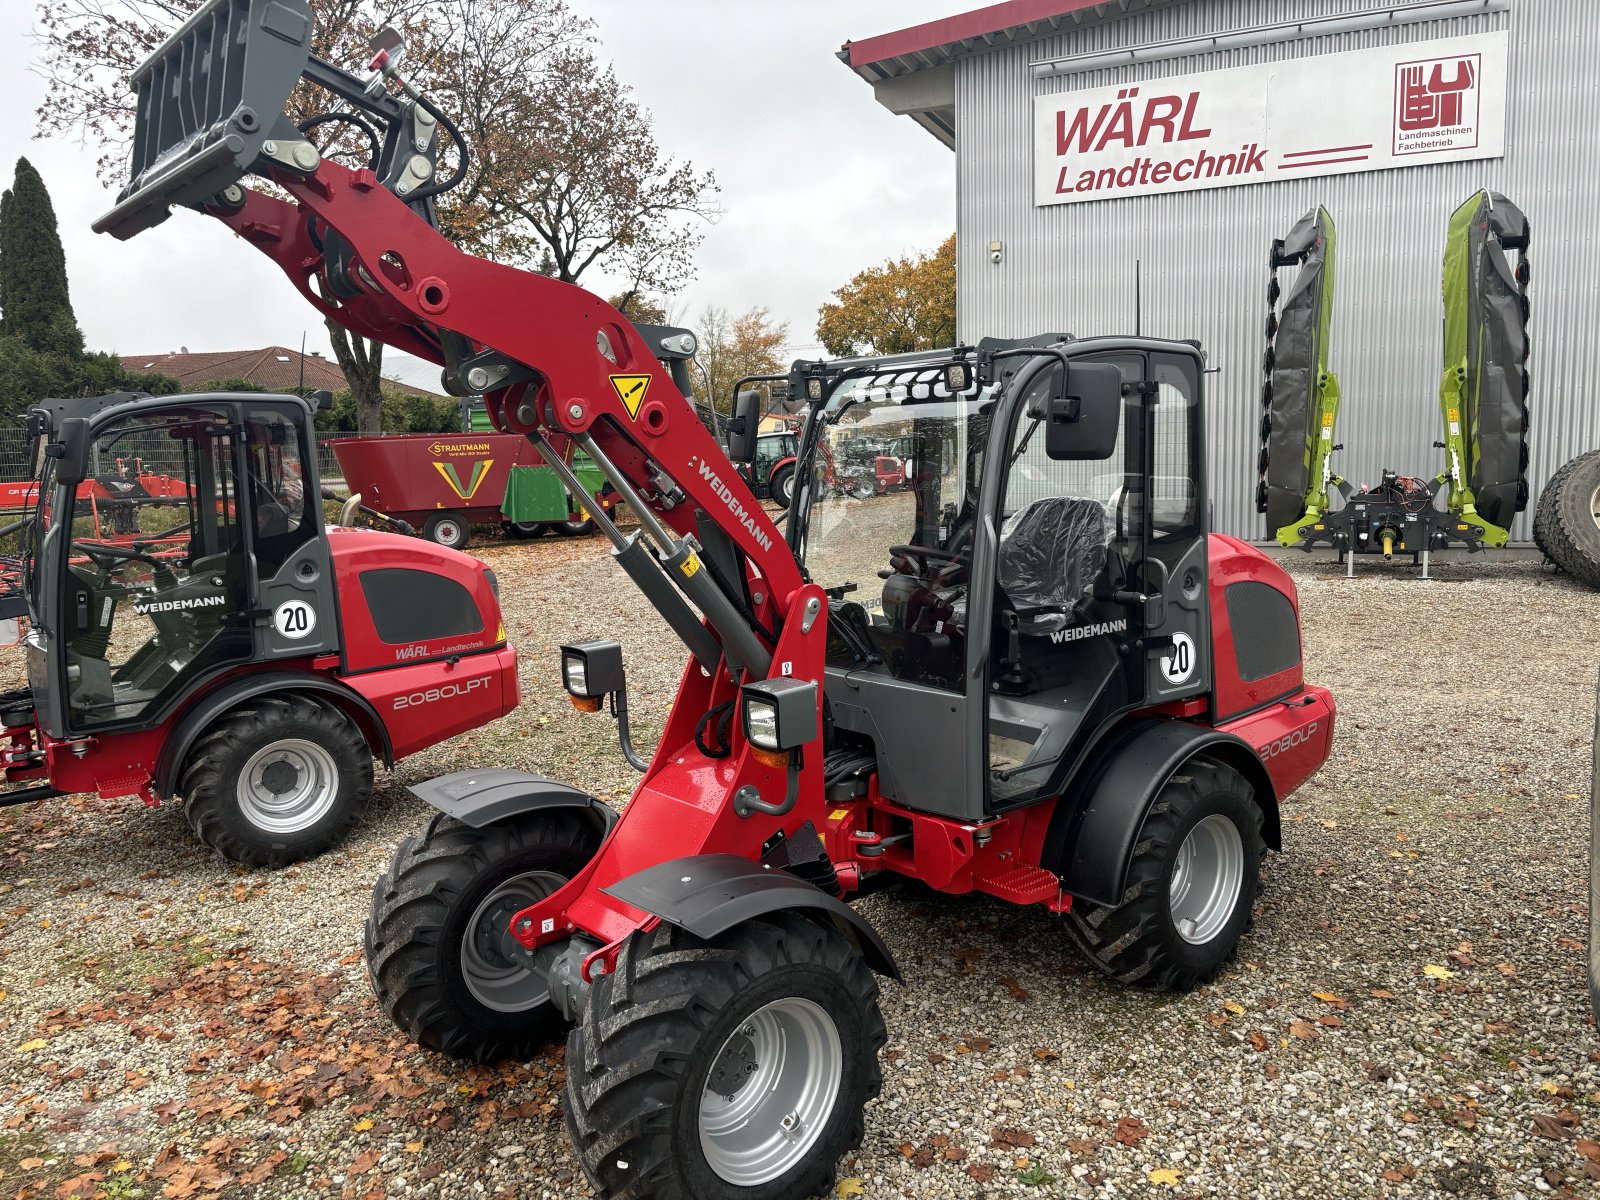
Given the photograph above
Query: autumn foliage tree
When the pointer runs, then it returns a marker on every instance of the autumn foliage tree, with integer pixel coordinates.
(733, 347)
(906, 304)
(565, 177)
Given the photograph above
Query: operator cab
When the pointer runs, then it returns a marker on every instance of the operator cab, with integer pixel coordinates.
(1031, 585)
(174, 537)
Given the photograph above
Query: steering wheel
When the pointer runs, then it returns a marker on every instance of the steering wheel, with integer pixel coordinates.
(107, 557)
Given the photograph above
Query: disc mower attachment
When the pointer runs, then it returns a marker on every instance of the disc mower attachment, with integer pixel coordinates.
(1300, 398)
(209, 102)
(1483, 393)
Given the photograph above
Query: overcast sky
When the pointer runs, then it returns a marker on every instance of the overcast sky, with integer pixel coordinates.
(818, 181)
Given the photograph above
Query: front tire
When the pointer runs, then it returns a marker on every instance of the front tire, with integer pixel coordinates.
(447, 529)
(276, 781)
(730, 1069)
(435, 937)
(527, 530)
(579, 524)
(1195, 874)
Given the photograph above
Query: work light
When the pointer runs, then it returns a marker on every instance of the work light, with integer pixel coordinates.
(779, 714)
(956, 378)
(591, 671)
(814, 390)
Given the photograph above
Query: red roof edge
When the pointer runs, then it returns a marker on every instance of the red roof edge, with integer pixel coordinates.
(959, 28)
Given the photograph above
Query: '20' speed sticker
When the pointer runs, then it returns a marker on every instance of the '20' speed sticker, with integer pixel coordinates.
(294, 619)
(1179, 665)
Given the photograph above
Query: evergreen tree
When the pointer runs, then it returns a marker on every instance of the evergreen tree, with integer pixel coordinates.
(34, 303)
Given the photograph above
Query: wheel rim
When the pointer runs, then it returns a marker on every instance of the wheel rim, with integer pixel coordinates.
(287, 786)
(1594, 507)
(1206, 879)
(495, 978)
(447, 533)
(770, 1092)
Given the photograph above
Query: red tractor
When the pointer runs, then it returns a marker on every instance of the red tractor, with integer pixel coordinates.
(198, 634)
(1032, 675)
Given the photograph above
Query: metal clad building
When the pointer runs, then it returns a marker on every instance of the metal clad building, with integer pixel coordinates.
(972, 81)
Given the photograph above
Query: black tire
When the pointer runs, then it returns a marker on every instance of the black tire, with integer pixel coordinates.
(527, 530)
(652, 1031)
(1138, 941)
(239, 818)
(422, 909)
(448, 529)
(781, 488)
(1566, 526)
(577, 525)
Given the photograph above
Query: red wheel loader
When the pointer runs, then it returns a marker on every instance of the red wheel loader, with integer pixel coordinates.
(197, 634)
(1033, 674)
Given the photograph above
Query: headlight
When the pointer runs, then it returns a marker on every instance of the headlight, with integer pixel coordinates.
(761, 723)
(779, 714)
(575, 674)
(591, 671)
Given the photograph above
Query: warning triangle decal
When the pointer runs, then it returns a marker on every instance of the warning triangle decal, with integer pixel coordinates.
(631, 390)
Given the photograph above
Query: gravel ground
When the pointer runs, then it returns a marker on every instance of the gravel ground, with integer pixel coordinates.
(1408, 1018)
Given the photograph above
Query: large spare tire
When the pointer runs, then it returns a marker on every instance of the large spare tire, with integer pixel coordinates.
(1567, 524)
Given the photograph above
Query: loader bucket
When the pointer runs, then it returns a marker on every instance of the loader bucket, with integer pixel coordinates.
(1297, 392)
(1484, 399)
(207, 101)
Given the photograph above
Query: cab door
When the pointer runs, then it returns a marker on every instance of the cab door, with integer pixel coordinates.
(1173, 570)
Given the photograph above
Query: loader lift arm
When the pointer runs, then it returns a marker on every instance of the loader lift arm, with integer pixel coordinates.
(555, 362)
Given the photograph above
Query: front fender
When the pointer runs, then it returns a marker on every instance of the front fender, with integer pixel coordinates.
(707, 894)
(481, 798)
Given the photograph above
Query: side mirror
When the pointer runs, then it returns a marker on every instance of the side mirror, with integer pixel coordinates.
(321, 400)
(744, 426)
(72, 448)
(1085, 416)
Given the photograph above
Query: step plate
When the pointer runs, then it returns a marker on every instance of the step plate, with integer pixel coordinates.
(1022, 885)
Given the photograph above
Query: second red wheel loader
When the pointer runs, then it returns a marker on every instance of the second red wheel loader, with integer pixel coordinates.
(1032, 674)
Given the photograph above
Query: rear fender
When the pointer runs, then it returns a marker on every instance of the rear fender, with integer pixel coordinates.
(176, 745)
(483, 798)
(1090, 843)
(708, 894)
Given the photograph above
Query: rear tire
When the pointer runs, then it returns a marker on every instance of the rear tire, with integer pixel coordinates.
(277, 780)
(1567, 523)
(447, 529)
(527, 530)
(657, 1103)
(782, 486)
(438, 913)
(1195, 874)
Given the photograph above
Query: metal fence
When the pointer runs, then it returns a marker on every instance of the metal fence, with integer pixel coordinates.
(15, 449)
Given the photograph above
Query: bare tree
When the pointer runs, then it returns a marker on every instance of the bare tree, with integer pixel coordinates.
(566, 175)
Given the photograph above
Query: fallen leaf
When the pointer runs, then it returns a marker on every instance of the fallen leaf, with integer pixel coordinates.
(31, 1164)
(982, 1172)
(363, 1125)
(1327, 997)
(1589, 1148)
(846, 1188)
(1381, 994)
(1234, 1007)
(1258, 1041)
(1557, 1126)
(1331, 1021)
(1435, 971)
(1302, 1030)
(1165, 1177)
(1131, 1131)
